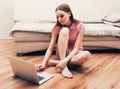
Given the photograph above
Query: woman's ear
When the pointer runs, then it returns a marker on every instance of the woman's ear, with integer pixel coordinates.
(69, 13)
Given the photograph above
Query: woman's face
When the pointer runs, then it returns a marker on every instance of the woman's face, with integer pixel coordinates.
(63, 17)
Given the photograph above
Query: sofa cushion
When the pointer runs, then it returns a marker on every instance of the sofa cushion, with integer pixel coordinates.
(112, 19)
(117, 24)
(33, 26)
(115, 17)
(93, 29)
(101, 29)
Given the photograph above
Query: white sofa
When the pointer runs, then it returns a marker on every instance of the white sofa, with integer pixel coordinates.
(34, 22)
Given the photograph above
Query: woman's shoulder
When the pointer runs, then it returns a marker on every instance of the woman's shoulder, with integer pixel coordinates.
(80, 25)
(78, 22)
(56, 26)
(56, 29)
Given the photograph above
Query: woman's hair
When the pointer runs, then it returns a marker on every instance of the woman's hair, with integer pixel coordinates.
(66, 8)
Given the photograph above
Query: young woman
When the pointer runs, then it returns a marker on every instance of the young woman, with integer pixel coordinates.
(67, 34)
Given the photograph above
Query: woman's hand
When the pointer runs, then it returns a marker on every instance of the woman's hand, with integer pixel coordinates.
(40, 67)
(61, 65)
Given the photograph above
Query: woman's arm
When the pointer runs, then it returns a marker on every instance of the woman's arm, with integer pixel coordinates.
(75, 50)
(50, 49)
(77, 45)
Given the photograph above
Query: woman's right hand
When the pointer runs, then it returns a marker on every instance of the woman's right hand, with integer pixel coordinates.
(40, 67)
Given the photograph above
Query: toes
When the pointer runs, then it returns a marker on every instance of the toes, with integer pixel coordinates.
(70, 76)
(66, 73)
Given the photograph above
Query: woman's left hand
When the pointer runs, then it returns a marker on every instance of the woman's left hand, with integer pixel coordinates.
(61, 65)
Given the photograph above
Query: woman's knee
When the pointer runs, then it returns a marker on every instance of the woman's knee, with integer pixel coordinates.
(64, 31)
(81, 58)
(88, 54)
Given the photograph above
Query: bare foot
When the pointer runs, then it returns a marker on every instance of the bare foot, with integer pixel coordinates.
(66, 73)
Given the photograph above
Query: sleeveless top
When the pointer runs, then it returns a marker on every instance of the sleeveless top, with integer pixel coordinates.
(74, 30)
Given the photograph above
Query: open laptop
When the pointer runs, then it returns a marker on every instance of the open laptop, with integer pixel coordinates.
(26, 70)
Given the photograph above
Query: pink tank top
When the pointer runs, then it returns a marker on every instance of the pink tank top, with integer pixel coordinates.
(75, 28)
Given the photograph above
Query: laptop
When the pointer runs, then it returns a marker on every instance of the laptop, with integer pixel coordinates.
(27, 71)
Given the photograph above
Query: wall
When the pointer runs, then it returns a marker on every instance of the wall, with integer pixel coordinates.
(93, 10)
(84, 10)
(6, 18)
(86, 6)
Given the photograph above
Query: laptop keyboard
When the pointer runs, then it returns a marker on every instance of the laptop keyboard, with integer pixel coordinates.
(40, 78)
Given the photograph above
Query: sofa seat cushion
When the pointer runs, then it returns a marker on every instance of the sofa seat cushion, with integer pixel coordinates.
(33, 31)
(45, 27)
(101, 29)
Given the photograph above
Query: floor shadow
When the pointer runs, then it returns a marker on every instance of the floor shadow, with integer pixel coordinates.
(76, 68)
(36, 53)
(106, 51)
(92, 51)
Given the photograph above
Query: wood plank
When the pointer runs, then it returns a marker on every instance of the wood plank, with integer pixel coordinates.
(101, 71)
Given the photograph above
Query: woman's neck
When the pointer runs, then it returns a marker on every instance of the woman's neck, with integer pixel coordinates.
(68, 24)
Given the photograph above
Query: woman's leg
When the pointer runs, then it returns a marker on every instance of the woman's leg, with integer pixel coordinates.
(62, 44)
(80, 58)
(62, 48)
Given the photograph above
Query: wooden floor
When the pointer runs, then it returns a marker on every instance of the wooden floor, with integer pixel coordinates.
(102, 71)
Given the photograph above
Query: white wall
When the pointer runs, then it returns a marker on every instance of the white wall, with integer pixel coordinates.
(104, 6)
(84, 10)
(6, 18)
(93, 10)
